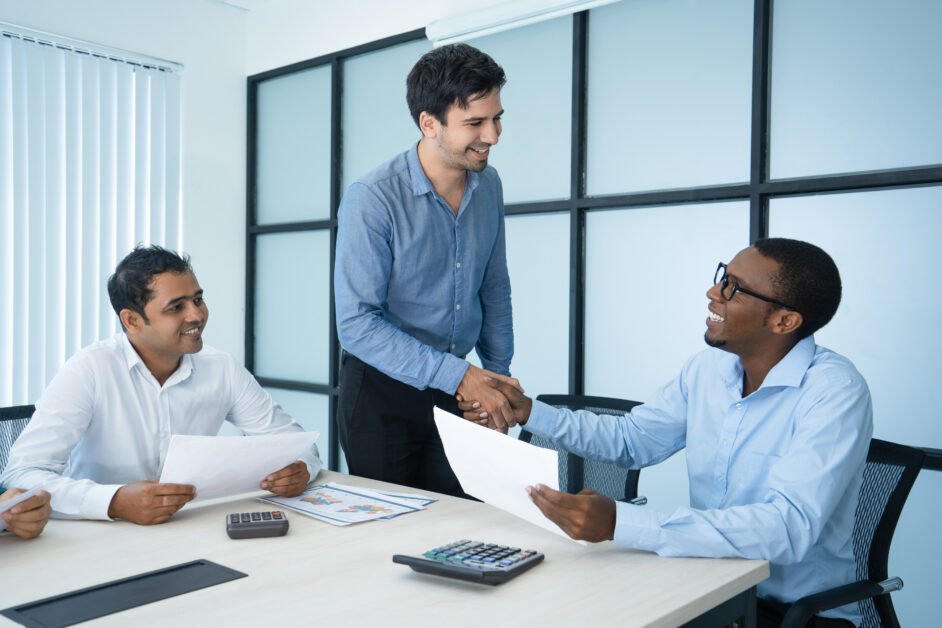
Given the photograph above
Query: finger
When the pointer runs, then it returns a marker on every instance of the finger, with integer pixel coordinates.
(587, 491)
(174, 489)
(288, 480)
(513, 381)
(467, 406)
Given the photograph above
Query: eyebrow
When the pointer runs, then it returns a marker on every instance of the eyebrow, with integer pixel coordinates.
(173, 302)
(481, 118)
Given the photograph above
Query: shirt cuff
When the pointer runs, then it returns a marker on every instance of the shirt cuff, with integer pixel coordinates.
(636, 527)
(543, 419)
(97, 500)
(449, 374)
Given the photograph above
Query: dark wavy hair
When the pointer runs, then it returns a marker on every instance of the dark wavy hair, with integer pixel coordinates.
(458, 73)
(129, 286)
(807, 279)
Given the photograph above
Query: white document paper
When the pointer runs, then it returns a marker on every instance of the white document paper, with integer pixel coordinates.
(221, 466)
(13, 501)
(497, 469)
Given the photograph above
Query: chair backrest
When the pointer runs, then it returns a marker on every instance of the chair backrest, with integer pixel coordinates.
(12, 422)
(889, 475)
(576, 472)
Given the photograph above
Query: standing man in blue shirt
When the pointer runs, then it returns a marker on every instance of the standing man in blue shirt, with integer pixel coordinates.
(421, 278)
(776, 431)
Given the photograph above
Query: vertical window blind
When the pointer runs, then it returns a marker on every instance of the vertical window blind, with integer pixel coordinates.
(89, 167)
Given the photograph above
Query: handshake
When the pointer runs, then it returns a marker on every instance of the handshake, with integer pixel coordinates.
(492, 400)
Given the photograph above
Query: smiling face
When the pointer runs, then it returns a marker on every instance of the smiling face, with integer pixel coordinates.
(745, 323)
(464, 141)
(175, 318)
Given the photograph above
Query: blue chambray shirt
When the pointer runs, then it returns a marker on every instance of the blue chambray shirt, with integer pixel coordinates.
(416, 286)
(774, 475)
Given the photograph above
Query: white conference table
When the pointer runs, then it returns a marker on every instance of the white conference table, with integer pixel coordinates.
(323, 575)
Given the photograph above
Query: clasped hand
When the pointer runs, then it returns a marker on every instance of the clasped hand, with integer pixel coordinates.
(493, 400)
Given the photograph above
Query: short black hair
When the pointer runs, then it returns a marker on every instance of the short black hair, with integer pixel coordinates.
(458, 73)
(807, 279)
(129, 286)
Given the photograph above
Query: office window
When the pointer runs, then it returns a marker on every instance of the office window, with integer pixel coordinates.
(308, 409)
(855, 86)
(538, 260)
(646, 304)
(293, 178)
(89, 166)
(292, 312)
(377, 125)
(669, 94)
(533, 155)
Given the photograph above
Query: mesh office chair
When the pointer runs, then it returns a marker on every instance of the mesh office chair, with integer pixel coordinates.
(575, 472)
(888, 477)
(12, 422)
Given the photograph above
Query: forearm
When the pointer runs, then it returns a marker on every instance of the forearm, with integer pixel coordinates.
(400, 356)
(615, 439)
(71, 499)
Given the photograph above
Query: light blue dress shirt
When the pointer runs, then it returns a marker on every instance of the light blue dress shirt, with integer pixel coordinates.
(774, 475)
(418, 287)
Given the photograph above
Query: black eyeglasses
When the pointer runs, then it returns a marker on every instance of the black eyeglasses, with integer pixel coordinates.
(729, 288)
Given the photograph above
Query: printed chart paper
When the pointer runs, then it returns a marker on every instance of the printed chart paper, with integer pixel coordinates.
(343, 505)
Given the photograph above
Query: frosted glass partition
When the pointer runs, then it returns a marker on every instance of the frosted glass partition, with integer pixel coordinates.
(293, 149)
(886, 245)
(647, 273)
(855, 86)
(376, 121)
(292, 306)
(669, 94)
(310, 410)
(533, 155)
(538, 259)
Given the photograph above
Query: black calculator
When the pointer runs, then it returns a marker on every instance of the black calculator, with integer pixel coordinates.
(485, 563)
(253, 525)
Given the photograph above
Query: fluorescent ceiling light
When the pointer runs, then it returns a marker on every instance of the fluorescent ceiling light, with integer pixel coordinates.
(503, 16)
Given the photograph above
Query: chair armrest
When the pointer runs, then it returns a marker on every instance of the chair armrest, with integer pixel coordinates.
(640, 500)
(807, 607)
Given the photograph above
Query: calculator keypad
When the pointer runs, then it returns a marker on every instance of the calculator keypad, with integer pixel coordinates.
(479, 555)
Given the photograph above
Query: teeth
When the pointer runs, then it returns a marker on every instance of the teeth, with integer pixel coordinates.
(479, 150)
(192, 332)
(716, 318)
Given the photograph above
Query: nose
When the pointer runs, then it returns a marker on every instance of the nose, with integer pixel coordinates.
(714, 293)
(490, 132)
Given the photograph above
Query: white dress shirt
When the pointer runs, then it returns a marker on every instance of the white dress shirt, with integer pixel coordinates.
(104, 421)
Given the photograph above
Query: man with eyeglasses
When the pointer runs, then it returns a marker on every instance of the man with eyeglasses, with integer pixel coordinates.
(776, 431)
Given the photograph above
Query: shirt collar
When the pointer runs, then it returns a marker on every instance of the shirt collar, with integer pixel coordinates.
(789, 371)
(420, 181)
(132, 359)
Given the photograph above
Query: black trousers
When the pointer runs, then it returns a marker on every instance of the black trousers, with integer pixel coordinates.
(387, 431)
(770, 614)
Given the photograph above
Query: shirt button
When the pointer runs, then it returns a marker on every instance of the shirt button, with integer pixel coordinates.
(738, 406)
(458, 306)
(458, 265)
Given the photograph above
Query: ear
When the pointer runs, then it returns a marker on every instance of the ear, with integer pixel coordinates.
(429, 124)
(131, 320)
(787, 321)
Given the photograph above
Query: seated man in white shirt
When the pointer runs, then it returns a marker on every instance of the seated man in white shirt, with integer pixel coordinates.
(775, 427)
(103, 425)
